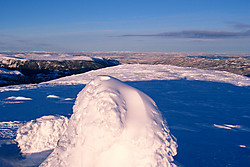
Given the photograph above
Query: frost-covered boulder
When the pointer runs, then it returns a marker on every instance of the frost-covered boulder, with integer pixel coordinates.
(114, 125)
(41, 134)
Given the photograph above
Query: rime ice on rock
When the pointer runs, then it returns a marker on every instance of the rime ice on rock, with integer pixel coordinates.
(114, 125)
(41, 134)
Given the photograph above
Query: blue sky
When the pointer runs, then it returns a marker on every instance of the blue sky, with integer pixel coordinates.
(138, 25)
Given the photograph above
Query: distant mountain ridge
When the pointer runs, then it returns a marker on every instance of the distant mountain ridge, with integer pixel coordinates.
(36, 70)
(39, 66)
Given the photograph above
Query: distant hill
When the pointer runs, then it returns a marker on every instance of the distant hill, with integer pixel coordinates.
(35, 70)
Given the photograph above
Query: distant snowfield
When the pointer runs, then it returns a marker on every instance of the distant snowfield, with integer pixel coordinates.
(44, 56)
(207, 111)
(138, 72)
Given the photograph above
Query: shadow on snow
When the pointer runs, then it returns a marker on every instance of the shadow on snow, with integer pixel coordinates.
(194, 110)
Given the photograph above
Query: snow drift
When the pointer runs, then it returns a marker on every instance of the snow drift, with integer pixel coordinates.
(114, 125)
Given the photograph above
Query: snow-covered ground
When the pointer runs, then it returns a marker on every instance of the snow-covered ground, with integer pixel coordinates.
(43, 56)
(207, 111)
(113, 125)
(138, 72)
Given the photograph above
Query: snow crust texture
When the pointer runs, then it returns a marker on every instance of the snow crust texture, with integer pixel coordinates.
(114, 125)
(41, 134)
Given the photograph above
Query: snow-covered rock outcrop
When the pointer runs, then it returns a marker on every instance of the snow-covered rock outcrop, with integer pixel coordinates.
(7, 72)
(10, 76)
(114, 125)
(38, 67)
(41, 134)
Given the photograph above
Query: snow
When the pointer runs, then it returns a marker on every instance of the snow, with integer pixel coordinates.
(53, 96)
(10, 60)
(5, 58)
(8, 129)
(225, 126)
(143, 73)
(191, 100)
(8, 76)
(4, 71)
(138, 72)
(222, 127)
(18, 98)
(114, 125)
(69, 99)
(41, 134)
(43, 56)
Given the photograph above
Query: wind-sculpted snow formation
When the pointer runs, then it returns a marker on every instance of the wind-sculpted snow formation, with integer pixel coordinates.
(113, 125)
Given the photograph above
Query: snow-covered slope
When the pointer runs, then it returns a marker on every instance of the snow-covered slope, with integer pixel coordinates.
(209, 119)
(114, 125)
(138, 72)
(135, 72)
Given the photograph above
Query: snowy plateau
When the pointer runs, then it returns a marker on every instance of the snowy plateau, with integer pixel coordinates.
(128, 115)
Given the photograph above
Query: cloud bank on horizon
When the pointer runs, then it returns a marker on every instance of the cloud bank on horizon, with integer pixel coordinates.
(203, 34)
(199, 34)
